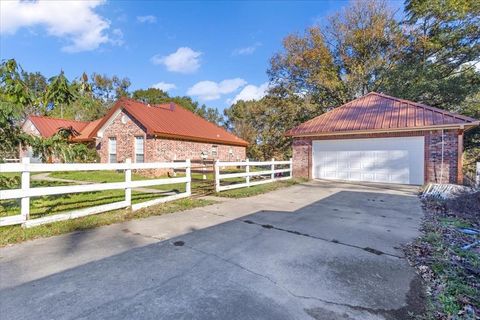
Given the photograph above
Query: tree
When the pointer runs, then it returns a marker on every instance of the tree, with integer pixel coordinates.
(263, 123)
(151, 96)
(14, 96)
(59, 93)
(342, 60)
(438, 66)
(59, 146)
(37, 86)
(108, 89)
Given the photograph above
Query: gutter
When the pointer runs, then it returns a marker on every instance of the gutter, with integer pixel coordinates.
(467, 127)
(199, 139)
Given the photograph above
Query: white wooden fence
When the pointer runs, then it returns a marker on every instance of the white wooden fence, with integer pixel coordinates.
(477, 176)
(25, 192)
(268, 175)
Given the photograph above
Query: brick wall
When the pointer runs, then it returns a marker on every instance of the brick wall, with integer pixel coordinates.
(125, 134)
(159, 149)
(433, 156)
(302, 150)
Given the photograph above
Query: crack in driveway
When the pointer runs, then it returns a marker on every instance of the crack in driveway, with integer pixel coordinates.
(335, 241)
(287, 290)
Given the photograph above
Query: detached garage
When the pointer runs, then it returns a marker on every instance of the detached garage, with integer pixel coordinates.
(378, 138)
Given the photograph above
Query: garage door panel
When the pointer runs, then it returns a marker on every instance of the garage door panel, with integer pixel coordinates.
(330, 175)
(355, 176)
(390, 160)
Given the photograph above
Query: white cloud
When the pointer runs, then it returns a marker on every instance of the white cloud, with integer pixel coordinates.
(147, 19)
(251, 92)
(246, 50)
(75, 21)
(184, 60)
(164, 86)
(210, 90)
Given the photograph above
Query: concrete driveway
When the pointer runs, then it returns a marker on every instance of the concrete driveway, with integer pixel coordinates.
(320, 250)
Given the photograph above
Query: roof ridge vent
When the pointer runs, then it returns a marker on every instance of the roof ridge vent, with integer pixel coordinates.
(172, 106)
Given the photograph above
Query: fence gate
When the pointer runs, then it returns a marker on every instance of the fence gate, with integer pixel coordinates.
(203, 179)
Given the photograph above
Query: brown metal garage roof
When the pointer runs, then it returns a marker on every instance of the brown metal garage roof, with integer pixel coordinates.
(377, 112)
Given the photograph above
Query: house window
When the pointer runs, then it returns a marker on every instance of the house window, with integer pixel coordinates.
(112, 150)
(139, 150)
(214, 151)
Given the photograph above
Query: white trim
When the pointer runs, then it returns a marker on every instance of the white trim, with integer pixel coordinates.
(108, 148)
(135, 147)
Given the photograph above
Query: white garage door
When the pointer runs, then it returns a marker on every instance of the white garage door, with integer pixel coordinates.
(389, 160)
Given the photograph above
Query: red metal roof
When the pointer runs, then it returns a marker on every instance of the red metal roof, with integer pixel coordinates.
(379, 112)
(172, 120)
(167, 120)
(88, 132)
(49, 126)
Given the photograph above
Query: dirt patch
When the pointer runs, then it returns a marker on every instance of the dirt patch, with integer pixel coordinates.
(446, 256)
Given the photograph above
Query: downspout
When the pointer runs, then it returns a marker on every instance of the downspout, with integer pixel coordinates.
(443, 149)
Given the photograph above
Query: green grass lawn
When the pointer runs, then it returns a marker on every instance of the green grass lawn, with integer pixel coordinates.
(258, 189)
(50, 205)
(97, 176)
(14, 234)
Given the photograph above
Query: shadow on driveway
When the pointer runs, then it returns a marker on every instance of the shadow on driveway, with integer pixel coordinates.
(337, 258)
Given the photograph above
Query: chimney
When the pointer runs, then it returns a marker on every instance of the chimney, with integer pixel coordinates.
(172, 106)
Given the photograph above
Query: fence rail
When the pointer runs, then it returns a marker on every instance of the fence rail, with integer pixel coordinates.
(25, 192)
(273, 174)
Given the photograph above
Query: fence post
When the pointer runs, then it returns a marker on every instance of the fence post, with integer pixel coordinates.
(204, 168)
(128, 179)
(477, 177)
(291, 167)
(217, 175)
(25, 202)
(188, 171)
(272, 175)
(247, 171)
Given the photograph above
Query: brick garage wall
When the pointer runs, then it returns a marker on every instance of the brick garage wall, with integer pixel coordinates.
(301, 157)
(302, 151)
(433, 156)
(156, 148)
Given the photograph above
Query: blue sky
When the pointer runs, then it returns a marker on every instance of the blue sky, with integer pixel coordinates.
(213, 51)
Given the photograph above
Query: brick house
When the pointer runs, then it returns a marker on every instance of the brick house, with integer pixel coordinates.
(380, 138)
(146, 133)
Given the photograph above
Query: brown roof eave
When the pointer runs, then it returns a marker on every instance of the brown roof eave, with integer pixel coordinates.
(200, 139)
(466, 126)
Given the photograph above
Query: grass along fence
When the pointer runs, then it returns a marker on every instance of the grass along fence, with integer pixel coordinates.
(254, 173)
(25, 192)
